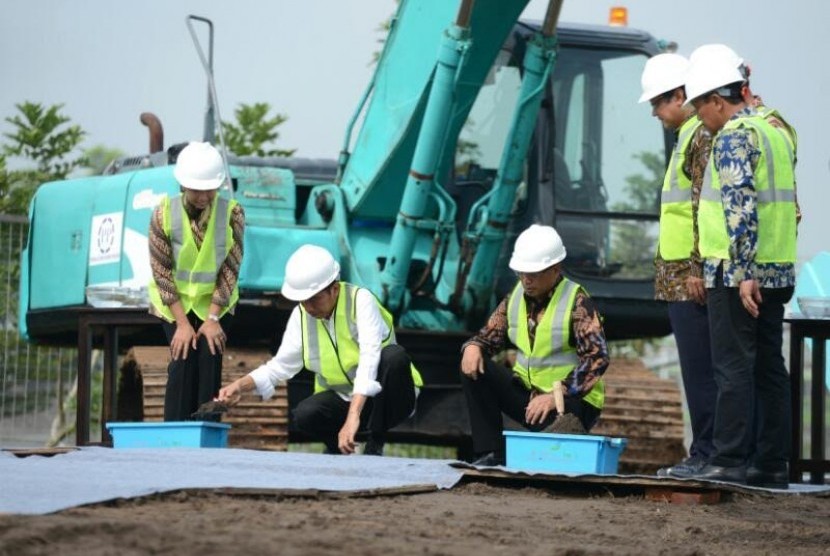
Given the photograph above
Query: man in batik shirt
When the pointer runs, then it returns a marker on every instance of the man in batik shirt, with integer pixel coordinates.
(557, 332)
(747, 222)
(678, 267)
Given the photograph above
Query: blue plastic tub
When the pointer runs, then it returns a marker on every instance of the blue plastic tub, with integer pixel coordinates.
(563, 453)
(171, 434)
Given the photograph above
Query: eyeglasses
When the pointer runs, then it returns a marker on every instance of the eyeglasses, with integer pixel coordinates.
(658, 100)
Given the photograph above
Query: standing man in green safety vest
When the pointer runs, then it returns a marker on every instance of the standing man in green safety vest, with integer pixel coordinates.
(558, 334)
(342, 333)
(678, 266)
(771, 115)
(747, 221)
(195, 244)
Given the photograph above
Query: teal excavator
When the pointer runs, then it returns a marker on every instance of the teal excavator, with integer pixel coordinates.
(474, 126)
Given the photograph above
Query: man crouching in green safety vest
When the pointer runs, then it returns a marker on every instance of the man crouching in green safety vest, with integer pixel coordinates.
(195, 244)
(340, 332)
(558, 334)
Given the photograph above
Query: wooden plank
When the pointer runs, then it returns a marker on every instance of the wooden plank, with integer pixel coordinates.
(682, 497)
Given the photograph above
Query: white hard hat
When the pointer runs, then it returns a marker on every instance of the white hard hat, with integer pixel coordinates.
(200, 167)
(712, 66)
(663, 73)
(537, 248)
(308, 271)
(720, 51)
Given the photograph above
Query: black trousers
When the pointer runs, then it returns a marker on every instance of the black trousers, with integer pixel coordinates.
(690, 324)
(322, 415)
(752, 416)
(499, 391)
(194, 380)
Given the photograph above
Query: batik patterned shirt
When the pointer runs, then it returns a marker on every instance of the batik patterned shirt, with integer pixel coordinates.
(161, 254)
(735, 154)
(587, 336)
(670, 276)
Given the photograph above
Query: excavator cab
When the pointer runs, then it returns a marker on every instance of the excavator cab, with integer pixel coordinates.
(593, 170)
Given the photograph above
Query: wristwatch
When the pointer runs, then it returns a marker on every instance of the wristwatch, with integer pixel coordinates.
(214, 318)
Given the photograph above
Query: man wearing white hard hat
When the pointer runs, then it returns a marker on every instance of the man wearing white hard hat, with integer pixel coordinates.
(559, 339)
(340, 332)
(195, 244)
(747, 220)
(771, 115)
(678, 266)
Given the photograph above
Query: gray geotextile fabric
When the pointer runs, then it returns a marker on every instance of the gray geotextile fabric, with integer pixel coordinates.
(39, 484)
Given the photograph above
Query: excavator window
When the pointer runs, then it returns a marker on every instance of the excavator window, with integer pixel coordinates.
(607, 162)
(594, 169)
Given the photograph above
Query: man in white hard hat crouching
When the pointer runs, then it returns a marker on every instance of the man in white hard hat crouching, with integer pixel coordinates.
(557, 332)
(340, 332)
(195, 242)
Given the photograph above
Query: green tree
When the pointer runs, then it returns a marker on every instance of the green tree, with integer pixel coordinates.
(254, 131)
(45, 137)
(98, 157)
(4, 176)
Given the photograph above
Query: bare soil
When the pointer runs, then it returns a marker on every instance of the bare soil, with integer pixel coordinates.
(475, 518)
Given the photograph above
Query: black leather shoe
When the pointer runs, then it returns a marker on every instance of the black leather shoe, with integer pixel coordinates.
(779, 479)
(736, 474)
(685, 469)
(490, 459)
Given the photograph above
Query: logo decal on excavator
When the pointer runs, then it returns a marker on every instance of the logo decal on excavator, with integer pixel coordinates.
(105, 239)
(146, 199)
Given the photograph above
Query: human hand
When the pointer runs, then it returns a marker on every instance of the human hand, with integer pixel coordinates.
(214, 335)
(472, 362)
(750, 292)
(697, 289)
(230, 394)
(345, 438)
(539, 408)
(183, 339)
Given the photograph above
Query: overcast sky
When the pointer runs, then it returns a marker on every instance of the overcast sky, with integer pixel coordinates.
(108, 61)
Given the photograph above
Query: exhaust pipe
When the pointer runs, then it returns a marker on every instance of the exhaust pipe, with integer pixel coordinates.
(156, 132)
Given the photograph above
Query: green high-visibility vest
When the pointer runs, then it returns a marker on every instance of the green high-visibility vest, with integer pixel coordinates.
(775, 188)
(335, 366)
(676, 218)
(789, 131)
(195, 268)
(552, 357)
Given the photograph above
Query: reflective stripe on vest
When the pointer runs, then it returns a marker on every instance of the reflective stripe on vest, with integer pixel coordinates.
(676, 225)
(551, 358)
(195, 269)
(335, 363)
(774, 187)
